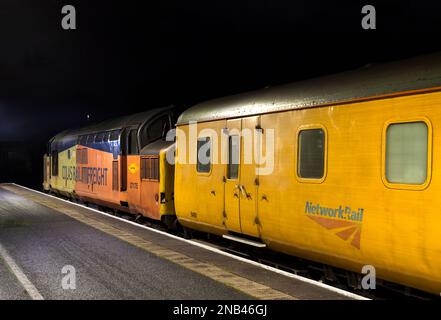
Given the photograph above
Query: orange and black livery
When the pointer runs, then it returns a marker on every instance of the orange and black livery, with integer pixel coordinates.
(119, 164)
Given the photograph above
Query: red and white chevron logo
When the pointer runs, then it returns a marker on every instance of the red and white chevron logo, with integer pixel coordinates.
(345, 222)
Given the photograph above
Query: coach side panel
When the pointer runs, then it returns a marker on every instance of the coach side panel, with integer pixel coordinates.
(199, 196)
(95, 176)
(350, 216)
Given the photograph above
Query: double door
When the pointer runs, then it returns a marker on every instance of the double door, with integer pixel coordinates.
(241, 178)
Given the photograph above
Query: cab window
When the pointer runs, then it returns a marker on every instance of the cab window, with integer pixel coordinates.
(155, 130)
(133, 142)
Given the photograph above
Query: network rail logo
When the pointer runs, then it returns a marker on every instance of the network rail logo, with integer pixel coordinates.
(345, 222)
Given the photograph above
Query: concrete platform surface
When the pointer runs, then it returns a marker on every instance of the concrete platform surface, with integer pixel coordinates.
(42, 238)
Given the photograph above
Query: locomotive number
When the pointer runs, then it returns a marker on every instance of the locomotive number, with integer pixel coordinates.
(133, 185)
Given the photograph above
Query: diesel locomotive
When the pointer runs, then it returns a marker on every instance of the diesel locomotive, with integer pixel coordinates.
(115, 164)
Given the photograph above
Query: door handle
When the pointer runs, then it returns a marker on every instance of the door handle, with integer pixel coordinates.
(244, 192)
(213, 192)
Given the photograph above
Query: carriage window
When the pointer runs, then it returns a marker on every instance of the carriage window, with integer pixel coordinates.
(311, 154)
(83, 140)
(133, 142)
(406, 153)
(233, 157)
(106, 137)
(90, 139)
(99, 137)
(203, 155)
(114, 135)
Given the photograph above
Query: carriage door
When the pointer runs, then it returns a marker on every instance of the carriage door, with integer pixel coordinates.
(248, 182)
(232, 191)
(240, 183)
(123, 164)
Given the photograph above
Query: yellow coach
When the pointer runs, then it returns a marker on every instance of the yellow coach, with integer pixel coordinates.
(355, 177)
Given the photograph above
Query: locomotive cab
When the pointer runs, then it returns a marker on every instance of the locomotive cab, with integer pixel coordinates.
(150, 178)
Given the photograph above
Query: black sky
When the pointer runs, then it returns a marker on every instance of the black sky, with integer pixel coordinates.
(128, 56)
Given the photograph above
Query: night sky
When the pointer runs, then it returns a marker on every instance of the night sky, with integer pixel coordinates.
(129, 56)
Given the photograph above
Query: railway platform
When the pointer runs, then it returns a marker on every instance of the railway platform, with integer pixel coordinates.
(51, 248)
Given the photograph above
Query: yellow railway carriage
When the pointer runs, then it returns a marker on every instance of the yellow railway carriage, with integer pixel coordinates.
(343, 170)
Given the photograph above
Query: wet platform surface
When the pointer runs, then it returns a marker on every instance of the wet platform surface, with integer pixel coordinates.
(40, 235)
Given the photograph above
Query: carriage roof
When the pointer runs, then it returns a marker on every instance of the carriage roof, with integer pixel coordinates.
(119, 123)
(367, 82)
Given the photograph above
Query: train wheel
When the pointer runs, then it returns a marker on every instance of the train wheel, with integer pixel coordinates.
(188, 233)
(171, 223)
